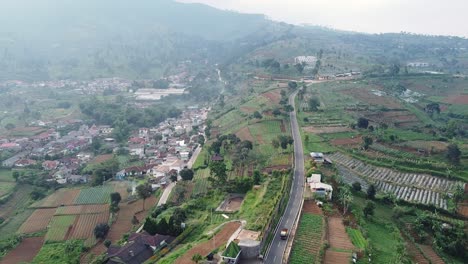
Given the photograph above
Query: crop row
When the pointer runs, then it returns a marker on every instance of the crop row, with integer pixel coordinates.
(59, 227)
(95, 195)
(308, 239)
(201, 186)
(411, 187)
(357, 238)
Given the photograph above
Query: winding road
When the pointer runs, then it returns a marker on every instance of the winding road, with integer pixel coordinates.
(277, 248)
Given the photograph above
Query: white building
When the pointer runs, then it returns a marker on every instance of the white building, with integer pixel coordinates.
(310, 60)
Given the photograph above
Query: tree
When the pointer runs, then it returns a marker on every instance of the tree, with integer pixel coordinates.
(371, 191)
(275, 143)
(100, 230)
(37, 194)
(201, 140)
(394, 70)
(16, 175)
(357, 186)
(276, 112)
(432, 108)
(292, 85)
(453, 154)
(288, 108)
(197, 258)
(363, 123)
(115, 198)
(367, 141)
(10, 126)
(299, 67)
(257, 115)
(306, 138)
(186, 174)
(257, 177)
(144, 191)
(218, 170)
(345, 198)
(369, 209)
(107, 243)
(173, 177)
(313, 103)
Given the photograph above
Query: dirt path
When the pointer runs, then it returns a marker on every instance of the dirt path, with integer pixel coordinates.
(25, 251)
(205, 248)
(415, 254)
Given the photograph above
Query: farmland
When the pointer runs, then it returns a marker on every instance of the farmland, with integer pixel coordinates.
(95, 195)
(58, 198)
(6, 188)
(25, 251)
(6, 176)
(67, 252)
(38, 221)
(308, 239)
(60, 227)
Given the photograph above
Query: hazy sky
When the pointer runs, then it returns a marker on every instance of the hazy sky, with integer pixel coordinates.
(436, 17)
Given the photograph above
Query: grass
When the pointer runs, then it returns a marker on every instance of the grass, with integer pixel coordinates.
(58, 227)
(95, 195)
(6, 176)
(6, 188)
(15, 222)
(308, 239)
(68, 252)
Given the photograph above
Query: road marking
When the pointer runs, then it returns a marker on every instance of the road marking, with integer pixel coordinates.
(274, 259)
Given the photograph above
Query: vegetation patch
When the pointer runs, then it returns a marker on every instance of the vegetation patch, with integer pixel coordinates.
(308, 239)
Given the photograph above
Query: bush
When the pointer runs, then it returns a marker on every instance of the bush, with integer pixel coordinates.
(357, 186)
(100, 231)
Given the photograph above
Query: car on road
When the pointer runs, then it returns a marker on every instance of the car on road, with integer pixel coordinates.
(284, 233)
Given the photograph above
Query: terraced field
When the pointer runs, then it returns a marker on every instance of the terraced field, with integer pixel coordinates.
(411, 187)
(95, 195)
(60, 227)
(308, 239)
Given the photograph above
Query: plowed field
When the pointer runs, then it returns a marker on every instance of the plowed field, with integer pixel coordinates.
(25, 251)
(337, 236)
(38, 221)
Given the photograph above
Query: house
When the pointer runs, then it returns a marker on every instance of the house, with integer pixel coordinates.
(232, 253)
(321, 189)
(105, 130)
(317, 156)
(25, 163)
(9, 146)
(139, 248)
(50, 164)
(314, 178)
(77, 179)
(217, 157)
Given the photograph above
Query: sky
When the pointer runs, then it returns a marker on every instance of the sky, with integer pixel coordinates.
(433, 17)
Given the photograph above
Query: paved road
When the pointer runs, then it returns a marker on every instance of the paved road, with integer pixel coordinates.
(166, 193)
(276, 251)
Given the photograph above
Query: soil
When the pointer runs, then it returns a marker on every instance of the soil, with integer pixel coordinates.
(347, 141)
(232, 204)
(102, 158)
(457, 99)
(367, 97)
(334, 257)
(38, 221)
(311, 207)
(244, 134)
(25, 251)
(60, 197)
(337, 236)
(430, 253)
(248, 109)
(327, 129)
(273, 96)
(415, 254)
(205, 248)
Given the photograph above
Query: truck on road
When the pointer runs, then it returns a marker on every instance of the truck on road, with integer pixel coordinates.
(284, 233)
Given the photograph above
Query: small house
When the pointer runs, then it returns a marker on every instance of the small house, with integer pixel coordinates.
(321, 189)
(231, 254)
(317, 156)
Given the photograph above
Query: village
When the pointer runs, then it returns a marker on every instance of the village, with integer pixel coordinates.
(166, 148)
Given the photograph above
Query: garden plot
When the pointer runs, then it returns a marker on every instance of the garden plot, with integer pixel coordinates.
(58, 198)
(38, 221)
(411, 187)
(308, 239)
(349, 177)
(327, 129)
(60, 227)
(25, 251)
(95, 195)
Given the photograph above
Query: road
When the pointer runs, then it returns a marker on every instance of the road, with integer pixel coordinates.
(166, 193)
(276, 251)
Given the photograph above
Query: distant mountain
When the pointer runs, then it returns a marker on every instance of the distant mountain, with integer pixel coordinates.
(41, 39)
(80, 39)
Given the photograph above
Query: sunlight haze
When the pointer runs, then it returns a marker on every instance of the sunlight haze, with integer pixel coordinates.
(372, 16)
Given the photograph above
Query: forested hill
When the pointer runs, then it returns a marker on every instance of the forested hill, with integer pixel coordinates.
(41, 39)
(85, 39)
